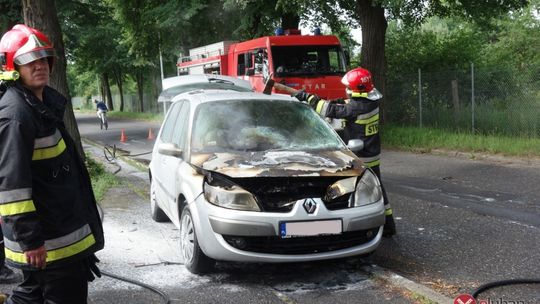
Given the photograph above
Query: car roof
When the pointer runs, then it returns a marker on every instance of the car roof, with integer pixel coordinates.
(173, 86)
(203, 96)
(198, 78)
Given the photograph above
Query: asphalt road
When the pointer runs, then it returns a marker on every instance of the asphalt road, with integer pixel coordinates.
(463, 220)
(138, 144)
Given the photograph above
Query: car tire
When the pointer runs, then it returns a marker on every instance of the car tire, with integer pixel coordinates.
(157, 213)
(194, 258)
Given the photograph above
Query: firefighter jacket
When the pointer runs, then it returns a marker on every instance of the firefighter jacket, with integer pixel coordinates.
(361, 119)
(46, 197)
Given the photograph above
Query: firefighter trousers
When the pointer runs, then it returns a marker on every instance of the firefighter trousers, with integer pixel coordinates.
(63, 285)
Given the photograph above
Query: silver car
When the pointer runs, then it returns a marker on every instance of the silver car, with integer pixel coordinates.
(260, 178)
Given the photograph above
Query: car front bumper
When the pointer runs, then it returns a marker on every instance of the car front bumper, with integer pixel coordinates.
(246, 236)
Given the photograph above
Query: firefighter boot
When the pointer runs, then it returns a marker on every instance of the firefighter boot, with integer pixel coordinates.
(8, 276)
(389, 228)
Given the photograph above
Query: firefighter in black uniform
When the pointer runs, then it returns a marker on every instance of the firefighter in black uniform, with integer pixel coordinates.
(51, 223)
(361, 117)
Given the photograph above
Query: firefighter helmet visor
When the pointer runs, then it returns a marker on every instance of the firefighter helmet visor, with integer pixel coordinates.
(373, 95)
(33, 56)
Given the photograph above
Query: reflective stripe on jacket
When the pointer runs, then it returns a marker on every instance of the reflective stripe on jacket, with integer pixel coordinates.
(45, 192)
(361, 117)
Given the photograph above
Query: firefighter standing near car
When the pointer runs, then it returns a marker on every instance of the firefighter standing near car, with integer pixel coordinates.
(361, 117)
(51, 223)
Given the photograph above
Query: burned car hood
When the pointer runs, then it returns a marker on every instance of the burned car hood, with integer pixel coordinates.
(280, 163)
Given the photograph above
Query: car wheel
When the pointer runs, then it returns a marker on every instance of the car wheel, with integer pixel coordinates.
(157, 214)
(194, 258)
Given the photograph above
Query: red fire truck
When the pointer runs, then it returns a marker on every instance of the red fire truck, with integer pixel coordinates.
(315, 63)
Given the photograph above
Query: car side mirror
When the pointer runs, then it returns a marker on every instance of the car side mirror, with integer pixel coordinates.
(170, 149)
(355, 145)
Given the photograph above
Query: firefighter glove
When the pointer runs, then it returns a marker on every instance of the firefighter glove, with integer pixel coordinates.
(93, 269)
(301, 95)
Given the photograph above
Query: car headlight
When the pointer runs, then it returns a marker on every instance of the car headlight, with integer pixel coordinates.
(233, 197)
(368, 190)
(340, 188)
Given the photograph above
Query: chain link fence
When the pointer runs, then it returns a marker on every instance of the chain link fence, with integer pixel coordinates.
(500, 101)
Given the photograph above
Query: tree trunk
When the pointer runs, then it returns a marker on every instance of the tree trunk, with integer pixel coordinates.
(108, 93)
(117, 74)
(455, 99)
(118, 78)
(102, 93)
(41, 14)
(140, 89)
(156, 90)
(290, 21)
(373, 24)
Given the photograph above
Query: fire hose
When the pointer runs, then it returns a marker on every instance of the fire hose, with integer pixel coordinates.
(491, 285)
(110, 155)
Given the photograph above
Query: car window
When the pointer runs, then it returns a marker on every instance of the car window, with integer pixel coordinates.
(259, 125)
(170, 121)
(180, 129)
(308, 60)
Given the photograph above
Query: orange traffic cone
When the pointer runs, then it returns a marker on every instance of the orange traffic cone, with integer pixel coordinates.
(123, 137)
(150, 134)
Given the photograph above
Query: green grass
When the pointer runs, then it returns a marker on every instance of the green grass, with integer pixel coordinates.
(427, 139)
(101, 179)
(514, 121)
(418, 298)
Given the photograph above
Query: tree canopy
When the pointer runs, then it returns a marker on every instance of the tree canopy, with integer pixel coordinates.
(119, 42)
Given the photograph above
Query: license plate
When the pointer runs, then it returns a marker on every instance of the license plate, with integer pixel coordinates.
(311, 228)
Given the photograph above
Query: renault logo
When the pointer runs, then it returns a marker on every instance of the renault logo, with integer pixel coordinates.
(310, 205)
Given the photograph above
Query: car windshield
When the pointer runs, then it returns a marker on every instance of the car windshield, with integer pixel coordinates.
(217, 84)
(308, 60)
(260, 125)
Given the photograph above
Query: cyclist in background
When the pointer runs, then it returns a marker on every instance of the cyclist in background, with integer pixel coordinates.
(102, 109)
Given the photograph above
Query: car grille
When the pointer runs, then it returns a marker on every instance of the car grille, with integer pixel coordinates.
(280, 194)
(301, 245)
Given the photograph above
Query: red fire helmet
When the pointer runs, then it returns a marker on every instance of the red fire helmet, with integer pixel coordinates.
(360, 84)
(22, 45)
